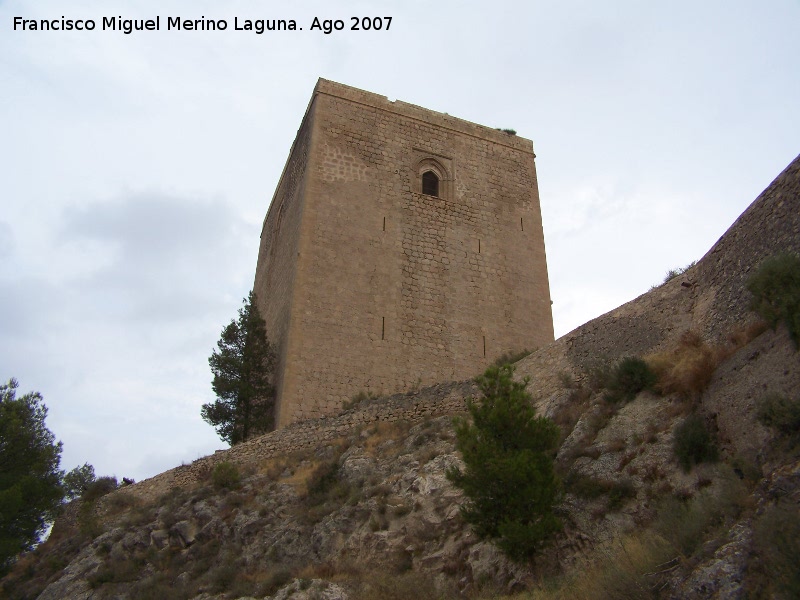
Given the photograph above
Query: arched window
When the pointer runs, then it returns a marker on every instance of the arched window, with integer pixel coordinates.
(430, 183)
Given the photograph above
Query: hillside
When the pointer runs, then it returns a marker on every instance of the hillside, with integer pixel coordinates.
(358, 506)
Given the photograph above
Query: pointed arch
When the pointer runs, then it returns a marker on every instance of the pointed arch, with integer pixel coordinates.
(432, 178)
(430, 183)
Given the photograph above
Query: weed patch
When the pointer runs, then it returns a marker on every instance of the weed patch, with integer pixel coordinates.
(509, 358)
(782, 414)
(687, 368)
(693, 443)
(777, 542)
(776, 292)
(587, 487)
(631, 376)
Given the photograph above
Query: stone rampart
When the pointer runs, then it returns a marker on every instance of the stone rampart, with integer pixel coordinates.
(437, 400)
(711, 298)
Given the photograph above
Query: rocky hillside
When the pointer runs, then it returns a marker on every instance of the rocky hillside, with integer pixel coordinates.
(684, 491)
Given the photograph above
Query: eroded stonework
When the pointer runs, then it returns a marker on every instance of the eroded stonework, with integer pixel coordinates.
(369, 284)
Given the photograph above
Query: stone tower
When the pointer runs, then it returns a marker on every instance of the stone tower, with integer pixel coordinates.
(402, 247)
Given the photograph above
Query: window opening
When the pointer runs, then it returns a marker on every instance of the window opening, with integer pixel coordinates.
(430, 184)
(383, 328)
(521, 226)
(484, 345)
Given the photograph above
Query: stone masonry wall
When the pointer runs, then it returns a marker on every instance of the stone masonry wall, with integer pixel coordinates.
(279, 249)
(442, 399)
(395, 288)
(711, 298)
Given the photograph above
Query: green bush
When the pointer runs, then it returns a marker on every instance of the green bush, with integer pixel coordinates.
(509, 478)
(327, 492)
(226, 475)
(631, 376)
(588, 487)
(322, 482)
(693, 443)
(777, 542)
(99, 487)
(780, 413)
(673, 273)
(508, 358)
(776, 292)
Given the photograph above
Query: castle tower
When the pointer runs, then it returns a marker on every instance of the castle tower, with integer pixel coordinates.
(402, 247)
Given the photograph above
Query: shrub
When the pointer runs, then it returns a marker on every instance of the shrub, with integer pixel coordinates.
(631, 376)
(780, 413)
(78, 480)
(586, 486)
(277, 577)
(673, 273)
(636, 565)
(693, 443)
(322, 481)
(99, 488)
(357, 399)
(687, 368)
(508, 358)
(777, 537)
(776, 292)
(598, 375)
(509, 478)
(384, 585)
(226, 475)
(224, 575)
(326, 492)
(686, 521)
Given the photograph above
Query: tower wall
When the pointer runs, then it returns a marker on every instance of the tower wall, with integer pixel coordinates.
(368, 284)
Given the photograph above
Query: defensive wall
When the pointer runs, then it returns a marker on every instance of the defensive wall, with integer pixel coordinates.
(437, 400)
(710, 298)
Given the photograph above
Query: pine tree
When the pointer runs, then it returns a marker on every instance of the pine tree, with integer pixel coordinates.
(30, 479)
(508, 478)
(243, 368)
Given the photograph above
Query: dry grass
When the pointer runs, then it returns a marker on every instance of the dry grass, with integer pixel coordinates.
(596, 420)
(276, 466)
(687, 369)
(388, 586)
(777, 546)
(386, 431)
(633, 566)
(570, 412)
(742, 336)
(589, 488)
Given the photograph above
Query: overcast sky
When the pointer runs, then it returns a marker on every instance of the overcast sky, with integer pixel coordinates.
(136, 170)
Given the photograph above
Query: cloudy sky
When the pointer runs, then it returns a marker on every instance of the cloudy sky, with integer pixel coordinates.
(135, 170)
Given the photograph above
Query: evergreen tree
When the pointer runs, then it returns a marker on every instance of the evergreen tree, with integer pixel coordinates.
(77, 481)
(243, 368)
(508, 477)
(30, 480)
